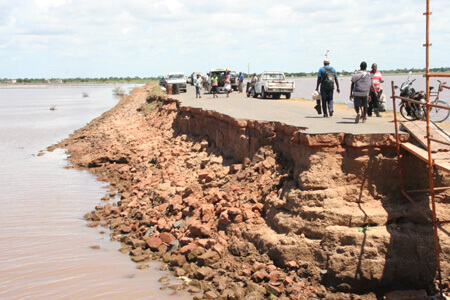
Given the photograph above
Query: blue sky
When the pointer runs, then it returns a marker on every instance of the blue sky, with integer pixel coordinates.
(99, 38)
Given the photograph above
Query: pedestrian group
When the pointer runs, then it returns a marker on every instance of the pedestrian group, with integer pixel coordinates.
(365, 91)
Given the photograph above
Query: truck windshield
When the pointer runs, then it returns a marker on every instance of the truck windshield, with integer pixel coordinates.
(278, 76)
(176, 76)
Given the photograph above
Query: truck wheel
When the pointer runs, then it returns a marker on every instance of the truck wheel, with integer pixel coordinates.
(288, 96)
(263, 93)
(254, 94)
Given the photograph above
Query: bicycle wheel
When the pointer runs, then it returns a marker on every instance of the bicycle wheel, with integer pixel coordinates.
(439, 114)
(405, 113)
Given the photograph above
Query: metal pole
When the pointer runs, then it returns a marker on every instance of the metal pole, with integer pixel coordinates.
(397, 139)
(430, 159)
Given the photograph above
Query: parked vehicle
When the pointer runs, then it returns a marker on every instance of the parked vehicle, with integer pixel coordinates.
(234, 82)
(273, 84)
(221, 74)
(414, 111)
(176, 78)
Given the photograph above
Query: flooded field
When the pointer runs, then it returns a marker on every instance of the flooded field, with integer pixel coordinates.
(46, 250)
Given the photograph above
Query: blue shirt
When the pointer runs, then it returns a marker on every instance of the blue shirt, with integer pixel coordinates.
(241, 77)
(322, 72)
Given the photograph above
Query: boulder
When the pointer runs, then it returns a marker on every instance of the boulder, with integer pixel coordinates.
(153, 243)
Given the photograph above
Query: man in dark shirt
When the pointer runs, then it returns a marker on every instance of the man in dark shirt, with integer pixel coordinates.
(326, 78)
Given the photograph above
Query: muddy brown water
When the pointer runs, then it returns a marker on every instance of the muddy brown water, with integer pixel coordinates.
(45, 246)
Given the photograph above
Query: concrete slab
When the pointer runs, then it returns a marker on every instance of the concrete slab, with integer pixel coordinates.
(291, 112)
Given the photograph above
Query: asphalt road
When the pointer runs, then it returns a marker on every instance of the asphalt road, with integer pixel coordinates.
(298, 113)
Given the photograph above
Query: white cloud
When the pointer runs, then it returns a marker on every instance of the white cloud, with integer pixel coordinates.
(151, 37)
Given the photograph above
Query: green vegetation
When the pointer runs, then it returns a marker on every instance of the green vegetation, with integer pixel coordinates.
(148, 107)
(118, 91)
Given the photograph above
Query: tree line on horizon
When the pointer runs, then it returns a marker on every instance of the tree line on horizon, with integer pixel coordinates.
(138, 79)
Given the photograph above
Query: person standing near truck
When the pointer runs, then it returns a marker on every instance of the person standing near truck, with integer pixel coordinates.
(240, 82)
(198, 86)
(326, 78)
(214, 85)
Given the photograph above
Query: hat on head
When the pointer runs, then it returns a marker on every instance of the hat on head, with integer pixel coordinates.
(326, 61)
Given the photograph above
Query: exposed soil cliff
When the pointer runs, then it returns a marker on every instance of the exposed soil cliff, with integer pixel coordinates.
(258, 210)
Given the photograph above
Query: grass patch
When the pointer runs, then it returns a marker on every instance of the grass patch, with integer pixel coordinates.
(147, 109)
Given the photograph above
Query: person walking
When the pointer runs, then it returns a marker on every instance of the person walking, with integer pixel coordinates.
(214, 85)
(227, 82)
(375, 92)
(198, 86)
(240, 82)
(326, 78)
(359, 91)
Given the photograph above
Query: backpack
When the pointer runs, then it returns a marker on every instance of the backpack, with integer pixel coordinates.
(328, 81)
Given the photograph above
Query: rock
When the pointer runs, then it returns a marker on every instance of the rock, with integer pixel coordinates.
(163, 225)
(209, 258)
(137, 243)
(195, 253)
(166, 237)
(93, 224)
(207, 212)
(179, 272)
(177, 260)
(224, 219)
(178, 224)
(206, 175)
(206, 243)
(162, 249)
(194, 290)
(198, 229)
(187, 248)
(259, 275)
(273, 290)
(203, 273)
(239, 249)
(218, 248)
(292, 264)
(174, 245)
(153, 243)
(269, 162)
(235, 168)
(139, 258)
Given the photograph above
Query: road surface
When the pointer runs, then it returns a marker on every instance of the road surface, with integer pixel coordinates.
(291, 112)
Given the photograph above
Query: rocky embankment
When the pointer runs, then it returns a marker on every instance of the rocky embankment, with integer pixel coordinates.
(259, 210)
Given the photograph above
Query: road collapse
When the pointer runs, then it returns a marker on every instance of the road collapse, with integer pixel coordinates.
(257, 210)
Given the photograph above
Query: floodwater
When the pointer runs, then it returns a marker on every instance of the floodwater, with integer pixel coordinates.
(304, 87)
(45, 245)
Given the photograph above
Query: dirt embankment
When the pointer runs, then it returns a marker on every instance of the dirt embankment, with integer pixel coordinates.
(258, 210)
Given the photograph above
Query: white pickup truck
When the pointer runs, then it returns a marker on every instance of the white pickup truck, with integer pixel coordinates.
(273, 84)
(177, 78)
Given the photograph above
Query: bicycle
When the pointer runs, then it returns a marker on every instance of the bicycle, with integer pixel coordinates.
(439, 114)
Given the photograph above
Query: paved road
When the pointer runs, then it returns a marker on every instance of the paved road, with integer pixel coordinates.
(298, 113)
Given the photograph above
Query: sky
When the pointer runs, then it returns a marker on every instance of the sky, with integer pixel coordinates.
(147, 38)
